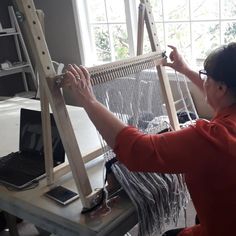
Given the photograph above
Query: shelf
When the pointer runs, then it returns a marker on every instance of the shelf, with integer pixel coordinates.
(21, 63)
(14, 70)
(26, 94)
(8, 32)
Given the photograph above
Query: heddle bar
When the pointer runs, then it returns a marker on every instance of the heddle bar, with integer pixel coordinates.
(104, 73)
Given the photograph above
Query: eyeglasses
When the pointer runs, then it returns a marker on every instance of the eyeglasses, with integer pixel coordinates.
(203, 75)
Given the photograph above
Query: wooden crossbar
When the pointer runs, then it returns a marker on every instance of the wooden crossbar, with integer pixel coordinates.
(146, 16)
(109, 71)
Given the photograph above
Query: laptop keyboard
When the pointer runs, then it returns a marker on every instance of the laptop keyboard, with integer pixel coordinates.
(16, 161)
(5, 159)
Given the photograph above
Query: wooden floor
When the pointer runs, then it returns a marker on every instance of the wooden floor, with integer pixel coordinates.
(27, 229)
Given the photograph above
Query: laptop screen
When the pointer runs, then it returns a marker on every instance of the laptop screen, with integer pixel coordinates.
(31, 136)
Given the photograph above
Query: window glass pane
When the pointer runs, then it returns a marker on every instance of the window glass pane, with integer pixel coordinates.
(96, 9)
(146, 43)
(178, 34)
(115, 10)
(205, 9)
(206, 36)
(157, 9)
(102, 43)
(120, 41)
(228, 9)
(229, 31)
(176, 10)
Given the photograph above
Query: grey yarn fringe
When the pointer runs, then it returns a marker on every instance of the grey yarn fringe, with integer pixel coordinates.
(158, 198)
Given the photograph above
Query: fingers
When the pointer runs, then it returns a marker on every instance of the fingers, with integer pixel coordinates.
(168, 64)
(73, 70)
(173, 53)
(172, 56)
(164, 62)
(172, 47)
(79, 71)
(86, 74)
(76, 76)
(68, 80)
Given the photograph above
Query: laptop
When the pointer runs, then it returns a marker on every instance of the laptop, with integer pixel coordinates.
(25, 167)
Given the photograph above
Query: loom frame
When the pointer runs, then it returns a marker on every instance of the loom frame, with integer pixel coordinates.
(52, 94)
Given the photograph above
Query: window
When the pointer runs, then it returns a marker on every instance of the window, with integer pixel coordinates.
(194, 26)
(109, 29)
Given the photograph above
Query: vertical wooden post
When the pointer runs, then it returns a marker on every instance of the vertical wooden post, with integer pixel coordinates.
(164, 81)
(37, 43)
(46, 123)
(141, 14)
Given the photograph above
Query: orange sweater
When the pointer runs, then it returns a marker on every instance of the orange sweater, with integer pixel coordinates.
(205, 153)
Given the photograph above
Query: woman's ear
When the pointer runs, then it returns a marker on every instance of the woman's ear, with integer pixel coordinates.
(222, 87)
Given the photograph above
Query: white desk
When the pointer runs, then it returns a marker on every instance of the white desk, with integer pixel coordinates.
(34, 207)
(85, 131)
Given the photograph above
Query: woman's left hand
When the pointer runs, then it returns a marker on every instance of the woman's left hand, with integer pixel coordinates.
(77, 79)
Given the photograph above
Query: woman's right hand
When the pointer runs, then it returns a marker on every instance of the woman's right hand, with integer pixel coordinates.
(177, 61)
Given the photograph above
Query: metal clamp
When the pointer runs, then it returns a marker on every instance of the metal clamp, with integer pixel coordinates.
(59, 79)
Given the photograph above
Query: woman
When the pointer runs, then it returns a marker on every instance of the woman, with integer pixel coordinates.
(205, 152)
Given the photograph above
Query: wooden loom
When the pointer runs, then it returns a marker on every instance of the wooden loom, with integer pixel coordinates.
(51, 93)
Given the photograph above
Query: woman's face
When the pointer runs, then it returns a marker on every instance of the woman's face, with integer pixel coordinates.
(210, 87)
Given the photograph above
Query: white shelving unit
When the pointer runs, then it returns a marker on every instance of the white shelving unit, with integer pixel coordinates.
(23, 64)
